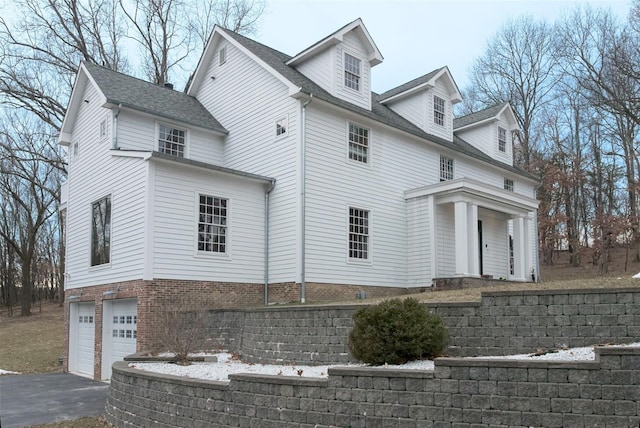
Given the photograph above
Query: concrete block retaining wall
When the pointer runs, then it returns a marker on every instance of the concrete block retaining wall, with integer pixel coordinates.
(502, 323)
(459, 393)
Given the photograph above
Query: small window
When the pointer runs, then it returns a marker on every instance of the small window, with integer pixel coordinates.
(74, 150)
(171, 140)
(438, 110)
(129, 319)
(128, 334)
(358, 233)
(222, 55)
(508, 184)
(502, 139)
(101, 231)
(358, 143)
(115, 319)
(281, 127)
(446, 168)
(351, 72)
(114, 333)
(212, 224)
(120, 333)
(103, 128)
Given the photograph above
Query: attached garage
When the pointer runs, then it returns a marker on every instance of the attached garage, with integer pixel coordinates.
(119, 332)
(82, 338)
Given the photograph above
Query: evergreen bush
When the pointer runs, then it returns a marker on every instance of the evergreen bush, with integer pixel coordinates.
(396, 331)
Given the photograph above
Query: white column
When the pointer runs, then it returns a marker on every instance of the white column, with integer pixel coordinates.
(526, 248)
(473, 241)
(519, 248)
(461, 225)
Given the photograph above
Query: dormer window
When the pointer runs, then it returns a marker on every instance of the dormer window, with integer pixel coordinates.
(438, 110)
(502, 139)
(351, 72)
(171, 141)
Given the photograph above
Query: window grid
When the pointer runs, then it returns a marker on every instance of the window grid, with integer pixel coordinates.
(281, 127)
(358, 234)
(351, 72)
(446, 168)
(101, 231)
(508, 184)
(212, 224)
(358, 143)
(502, 139)
(438, 110)
(171, 140)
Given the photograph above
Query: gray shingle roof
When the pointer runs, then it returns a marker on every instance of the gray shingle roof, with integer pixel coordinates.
(150, 98)
(379, 112)
(409, 85)
(478, 116)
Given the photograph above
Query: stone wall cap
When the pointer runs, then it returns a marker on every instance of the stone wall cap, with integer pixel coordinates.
(278, 380)
(380, 372)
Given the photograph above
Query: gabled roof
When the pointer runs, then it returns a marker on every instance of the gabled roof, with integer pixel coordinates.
(421, 83)
(483, 116)
(375, 57)
(117, 89)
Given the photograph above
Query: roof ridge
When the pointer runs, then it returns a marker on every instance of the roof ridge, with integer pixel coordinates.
(111, 70)
(411, 83)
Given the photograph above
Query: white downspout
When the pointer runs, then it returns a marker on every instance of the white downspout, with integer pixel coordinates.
(114, 140)
(303, 173)
(266, 240)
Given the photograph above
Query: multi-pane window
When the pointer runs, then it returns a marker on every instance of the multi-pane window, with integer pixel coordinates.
(508, 184)
(358, 233)
(281, 127)
(438, 110)
(358, 143)
(103, 128)
(351, 72)
(446, 168)
(101, 231)
(502, 139)
(222, 55)
(171, 140)
(212, 224)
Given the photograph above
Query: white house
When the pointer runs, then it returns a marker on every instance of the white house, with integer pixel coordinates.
(275, 178)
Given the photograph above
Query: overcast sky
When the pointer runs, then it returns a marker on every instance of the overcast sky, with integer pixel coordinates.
(415, 37)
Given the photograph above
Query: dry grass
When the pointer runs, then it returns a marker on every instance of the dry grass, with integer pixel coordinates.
(88, 422)
(32, 344)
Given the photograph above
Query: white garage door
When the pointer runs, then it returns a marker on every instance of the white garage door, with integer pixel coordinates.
(85, 336)
(121, 320)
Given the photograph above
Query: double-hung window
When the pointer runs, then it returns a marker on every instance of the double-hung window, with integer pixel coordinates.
(508, 184)
(358, 143)
(358, 234)
(351, 72)
(446, 168)
(438, 110)
(101, 231)
(502, 139)
(212, 224)
(171, 141)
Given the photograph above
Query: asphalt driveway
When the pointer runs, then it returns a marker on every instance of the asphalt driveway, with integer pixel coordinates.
(27, 400)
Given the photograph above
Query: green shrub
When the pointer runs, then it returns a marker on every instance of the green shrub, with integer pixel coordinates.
(396, 331)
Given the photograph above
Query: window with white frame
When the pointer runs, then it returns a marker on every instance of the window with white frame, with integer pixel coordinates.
(281, 127)
(358, 143)
(101, 231)
(103, 128)
(351, 72)
(222, 56)
(358, 234)
(438, 110)
(171, 140)
(75, 149)
(212, 224)
(508, 184)
(446, 168)
(502, 139)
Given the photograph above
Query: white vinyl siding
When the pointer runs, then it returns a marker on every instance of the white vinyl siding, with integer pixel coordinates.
(352, 45)
(446, 129)
(320, 69)
(414, 109)
(420, 242)
(239, 97)
(486, 138)
(175, 220)
(445, 232)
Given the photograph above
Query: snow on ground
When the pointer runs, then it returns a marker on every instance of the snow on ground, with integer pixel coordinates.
(7, 372)
(225, 366)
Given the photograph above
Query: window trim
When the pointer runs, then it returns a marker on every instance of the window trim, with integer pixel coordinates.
(196, 213)
(101, 135)
(369, 250)
(278, 122)
(509, 184)
(346, 72)
(437, 112)
(91, 237)
(502, 144)
(187, 133)
(441, 170)
(368, 147)
(222, 56)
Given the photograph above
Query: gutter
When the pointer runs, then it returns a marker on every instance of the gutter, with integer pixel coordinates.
(114, 141)
(271, 186)
(303, 180)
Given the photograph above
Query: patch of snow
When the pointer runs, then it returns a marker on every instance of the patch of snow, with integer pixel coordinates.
(637, 276)
(226, 365)
(7, 372)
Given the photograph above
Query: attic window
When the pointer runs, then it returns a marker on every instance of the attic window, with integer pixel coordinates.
(222, 56)
(502, 139)
(351, 72)
(438, 110)
(171, 140)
